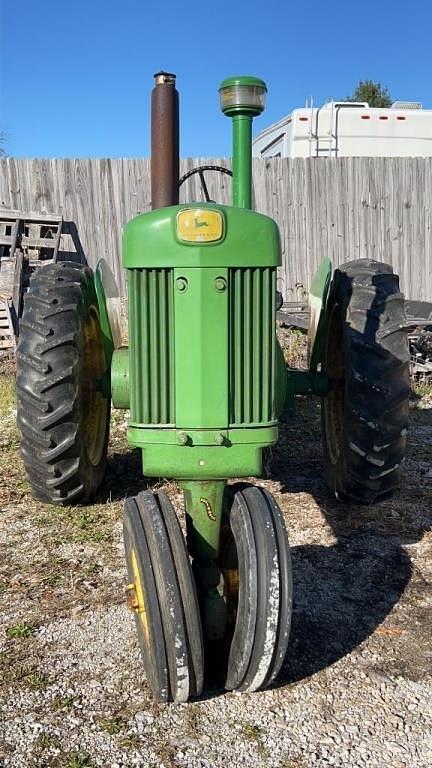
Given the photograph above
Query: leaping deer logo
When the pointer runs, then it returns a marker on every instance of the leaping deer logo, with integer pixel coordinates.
(200, 222)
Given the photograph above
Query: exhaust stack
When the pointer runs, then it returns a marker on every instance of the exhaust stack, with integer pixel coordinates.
(164, 141)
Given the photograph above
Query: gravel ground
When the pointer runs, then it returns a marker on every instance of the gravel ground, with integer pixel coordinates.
(355, 689)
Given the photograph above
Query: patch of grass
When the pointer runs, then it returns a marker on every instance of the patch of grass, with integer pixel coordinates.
(166, 753)
(36, 680)
(113, 725)
(92, 525)
(9, 442)
(85, 519)
(129, 741)
(11, 667)
(22, 630)
(19, 667)
(77, 760)
(15, 670)
(7, 394)
(9, 437)
(45, 741)
(421, 452)
(14, 485)
(421, 388)
(84, 525)
(252, 732)
(64, 702)
(295, 349)
(191, 718)
(14, 674)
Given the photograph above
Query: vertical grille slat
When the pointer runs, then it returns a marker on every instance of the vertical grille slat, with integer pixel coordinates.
(256, 321)
(143, 351)
(272, 341)
(150, 346)
(163, 346)
(237, 349)
(154, 346)
(133, 361)
(252, 344)
(267, 331)
(247, 344)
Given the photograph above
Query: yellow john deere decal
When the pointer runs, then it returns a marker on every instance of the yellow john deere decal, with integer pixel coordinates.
(199, 225)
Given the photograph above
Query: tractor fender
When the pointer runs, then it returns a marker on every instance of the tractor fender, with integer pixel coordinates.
(318, 296)
(108, 299)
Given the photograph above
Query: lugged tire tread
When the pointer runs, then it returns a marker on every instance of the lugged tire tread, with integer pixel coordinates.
(48, 384)
(376, 381)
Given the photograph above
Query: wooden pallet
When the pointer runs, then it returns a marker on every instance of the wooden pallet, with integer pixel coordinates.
(7, 331)
(36, 235)
(27, 241)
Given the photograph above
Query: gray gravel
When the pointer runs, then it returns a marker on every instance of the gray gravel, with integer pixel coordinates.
(347, 715)
(355, 689)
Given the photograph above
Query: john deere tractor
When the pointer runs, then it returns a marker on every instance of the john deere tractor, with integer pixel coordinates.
(205, 382)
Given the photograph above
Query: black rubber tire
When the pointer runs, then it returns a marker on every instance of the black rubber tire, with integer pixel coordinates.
(151, 639)
(189, 597)
(365, 418)
(52, 394)
(263, 611)
(172, 650)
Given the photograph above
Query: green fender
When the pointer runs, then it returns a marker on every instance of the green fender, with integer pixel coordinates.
(108, 300)
(318, 295)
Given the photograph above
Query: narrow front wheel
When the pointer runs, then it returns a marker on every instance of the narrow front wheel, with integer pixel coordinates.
(161, 593)
(256, 564)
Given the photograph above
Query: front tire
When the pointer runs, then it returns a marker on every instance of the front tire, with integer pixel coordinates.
(162, 595)
(255, 561)
(365, 413)
(63, 415)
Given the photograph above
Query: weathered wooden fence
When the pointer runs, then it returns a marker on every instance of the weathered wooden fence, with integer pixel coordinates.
(345, 208)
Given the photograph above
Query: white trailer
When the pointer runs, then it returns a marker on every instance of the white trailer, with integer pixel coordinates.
(349, 129)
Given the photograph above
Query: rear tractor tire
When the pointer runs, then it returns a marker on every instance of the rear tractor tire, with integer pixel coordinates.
(365, 414)
(63, 414)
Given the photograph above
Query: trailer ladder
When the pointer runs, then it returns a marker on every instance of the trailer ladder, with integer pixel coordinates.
(325, 146)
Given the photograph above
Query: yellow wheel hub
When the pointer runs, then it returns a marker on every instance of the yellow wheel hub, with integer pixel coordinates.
(230, 573)
(231, 584)
(135, 597)
(231, 594)
(94, 404)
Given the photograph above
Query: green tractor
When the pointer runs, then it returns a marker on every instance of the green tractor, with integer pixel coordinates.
(205, 382)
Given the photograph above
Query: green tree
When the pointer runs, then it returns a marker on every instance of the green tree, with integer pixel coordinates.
(375, 94)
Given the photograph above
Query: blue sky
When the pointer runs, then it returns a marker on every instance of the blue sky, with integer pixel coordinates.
(75, 77)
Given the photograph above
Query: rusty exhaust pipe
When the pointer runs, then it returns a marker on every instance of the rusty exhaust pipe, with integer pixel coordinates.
(164, 141)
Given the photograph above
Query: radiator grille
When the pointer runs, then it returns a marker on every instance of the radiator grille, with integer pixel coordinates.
(151, 346)
(252, 345)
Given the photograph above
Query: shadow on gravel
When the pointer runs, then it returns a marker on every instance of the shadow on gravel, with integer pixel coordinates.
(343, 592)
(123, 477)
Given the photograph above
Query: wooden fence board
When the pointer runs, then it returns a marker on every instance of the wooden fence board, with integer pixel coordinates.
(345, 208)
